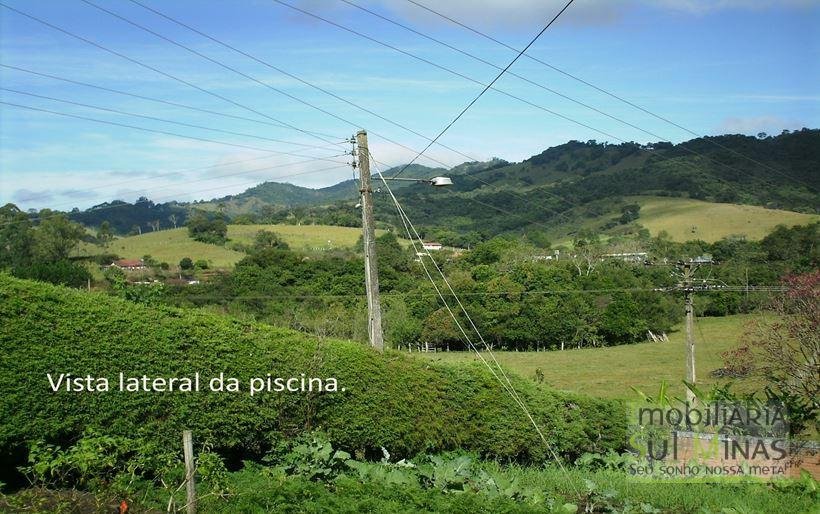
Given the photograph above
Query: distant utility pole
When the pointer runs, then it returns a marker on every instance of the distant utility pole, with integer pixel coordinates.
(688, 292)
(371, 271)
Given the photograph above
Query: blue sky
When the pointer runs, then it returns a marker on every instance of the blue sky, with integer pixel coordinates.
(712, 66)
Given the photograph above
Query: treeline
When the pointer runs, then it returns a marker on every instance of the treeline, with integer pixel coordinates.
(130, 219)
(556, 186)
(520, 300)
(40, 248)
(550, 187)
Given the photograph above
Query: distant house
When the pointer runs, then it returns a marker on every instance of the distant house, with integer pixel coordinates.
(627, 256)
(431, 246)
(129, 264)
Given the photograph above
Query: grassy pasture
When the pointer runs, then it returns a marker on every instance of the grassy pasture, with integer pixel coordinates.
(172, 245)
(609, 372)
(167, 246)
(684, 219)
(302, 237)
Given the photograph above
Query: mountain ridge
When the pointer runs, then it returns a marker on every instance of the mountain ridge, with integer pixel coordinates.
(774, 171)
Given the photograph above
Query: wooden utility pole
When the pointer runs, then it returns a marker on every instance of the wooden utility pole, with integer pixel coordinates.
(371, 270)
(190, 485)
(688, 291)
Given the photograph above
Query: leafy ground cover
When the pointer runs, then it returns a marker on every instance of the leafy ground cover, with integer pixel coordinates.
(310, 476)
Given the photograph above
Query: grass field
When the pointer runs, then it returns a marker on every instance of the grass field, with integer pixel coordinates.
(302, 237)
(172, 245)
(167, 246)
(609, 372)
(684, 219)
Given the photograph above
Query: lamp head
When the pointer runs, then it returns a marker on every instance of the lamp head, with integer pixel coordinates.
(441, 181)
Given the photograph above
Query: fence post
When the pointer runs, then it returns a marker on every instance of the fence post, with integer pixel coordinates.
(190, 485)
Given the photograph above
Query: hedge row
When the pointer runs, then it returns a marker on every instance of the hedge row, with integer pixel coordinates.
(394, 401)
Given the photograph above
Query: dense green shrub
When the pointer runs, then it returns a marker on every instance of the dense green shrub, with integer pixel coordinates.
(394, 401)
(63, 272)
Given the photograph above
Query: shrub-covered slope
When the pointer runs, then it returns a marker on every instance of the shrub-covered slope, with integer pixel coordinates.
(391, 400)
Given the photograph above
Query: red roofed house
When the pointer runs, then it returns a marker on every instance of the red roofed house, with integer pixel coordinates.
(129, 264)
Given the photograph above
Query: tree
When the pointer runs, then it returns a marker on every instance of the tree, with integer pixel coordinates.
(104, 234)
(15, 236)
(56, 237)
(786, 351)
(587, 255)
(186, 263)
(439, 328)
(203, 229)
(629, 213)
(268, 239)
(173, 219)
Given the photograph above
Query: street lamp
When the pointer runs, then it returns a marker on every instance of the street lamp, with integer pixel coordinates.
(435, 181)
(371, 272)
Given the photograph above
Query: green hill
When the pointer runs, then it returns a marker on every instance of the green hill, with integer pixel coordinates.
(568, 184)
(573, 183)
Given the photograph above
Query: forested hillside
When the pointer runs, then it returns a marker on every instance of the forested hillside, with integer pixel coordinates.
(562, 186)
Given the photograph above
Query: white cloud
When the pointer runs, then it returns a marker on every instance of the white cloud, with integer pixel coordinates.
(755, 124)
(515, 13)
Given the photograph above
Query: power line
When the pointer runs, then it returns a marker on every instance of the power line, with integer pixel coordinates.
(233, 70)
(606, 92)
(525, 79)
(519, 98)
(444, 68)
(150, 99)
(163, 120)
(399, 144)
(163, 132)
(488, 86)
(306, 82)
(660, 290)
(489, 63)
(244, 184)
(508, 386)
(179, 172)
(167, 75)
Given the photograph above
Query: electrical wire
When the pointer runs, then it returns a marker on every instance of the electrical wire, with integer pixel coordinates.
(152, 99)
(557, 292)
(115, 206)
(236, 71)
(608, 93)
(164, 74)
(444, 68)
(508, 386)
(305, 82)
(487, 87)
(144, 129)
(518, 98)
(155, 176)
(163, 120)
